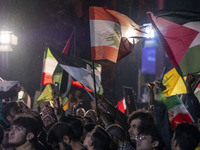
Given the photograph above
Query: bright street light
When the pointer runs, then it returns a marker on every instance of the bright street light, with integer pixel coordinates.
(7, 39)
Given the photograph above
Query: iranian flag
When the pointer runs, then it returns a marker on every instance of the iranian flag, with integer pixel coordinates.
(110, 33)
(179, 34)
(177, 111)
(49, 65)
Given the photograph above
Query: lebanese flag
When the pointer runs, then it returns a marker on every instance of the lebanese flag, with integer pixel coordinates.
(49, 65)
(110, 33)
(179, 32)
(177, 112)
(122, 105)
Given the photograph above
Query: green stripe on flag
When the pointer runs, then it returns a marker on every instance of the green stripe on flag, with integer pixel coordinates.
(49, 54)
(191, 61)
(172, 101)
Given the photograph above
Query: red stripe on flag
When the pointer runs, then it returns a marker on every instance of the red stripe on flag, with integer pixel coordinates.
(46, 79)
(121, 105)
(181, 118)
(99, 13)
(104, 52)
(79, 85)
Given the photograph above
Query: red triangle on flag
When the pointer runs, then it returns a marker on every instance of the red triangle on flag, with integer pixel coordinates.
(175, 38)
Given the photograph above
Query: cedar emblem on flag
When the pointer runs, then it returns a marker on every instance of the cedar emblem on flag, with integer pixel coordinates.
(109, 33)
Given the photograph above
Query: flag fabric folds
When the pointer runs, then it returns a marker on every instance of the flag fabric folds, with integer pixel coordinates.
(66, 48)
(78, 69)
(174, 84)
(49, 66)
(46, 95)
(109, 32)
(177, 112)
(179, 34)
(122, 105)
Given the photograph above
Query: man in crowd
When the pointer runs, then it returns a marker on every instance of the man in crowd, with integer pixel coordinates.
(61, 137)
(185, 137)
(23, 133)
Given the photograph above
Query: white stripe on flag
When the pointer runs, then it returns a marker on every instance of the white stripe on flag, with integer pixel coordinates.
(179, 109)
(50, 65)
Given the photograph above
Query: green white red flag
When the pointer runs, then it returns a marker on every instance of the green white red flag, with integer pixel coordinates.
(110, 33)
(177, 112)
(49, 65)
(179, 34)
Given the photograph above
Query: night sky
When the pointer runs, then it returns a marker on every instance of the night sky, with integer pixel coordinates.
(41, 23)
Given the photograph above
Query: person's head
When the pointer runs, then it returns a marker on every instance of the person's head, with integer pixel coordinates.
(23, 106)
(5, 144)
(91, 114)
(87, 130)
(87, 120)
(24, 129)
(75, 124)
(48, 120)
(60, 135)
(98, 139)
(148, 138)
(139, 118)
(186, 137)
(10, 110)
(80, 112)
(117, 133)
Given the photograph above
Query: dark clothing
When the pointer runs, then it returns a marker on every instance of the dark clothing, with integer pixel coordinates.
(126, 146)
(163, 124)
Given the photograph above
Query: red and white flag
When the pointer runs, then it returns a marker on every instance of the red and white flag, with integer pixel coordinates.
(122, 105)
(110, 33)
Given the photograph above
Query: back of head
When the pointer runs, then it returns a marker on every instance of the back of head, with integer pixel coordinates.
(144, 115)
(75, 124)
(58, 131)
(28, 122)
(100, 138)
(6, 110)
(187, 136)
(117, 131)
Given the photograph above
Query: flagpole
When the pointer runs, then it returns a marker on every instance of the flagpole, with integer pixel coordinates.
(94, 80)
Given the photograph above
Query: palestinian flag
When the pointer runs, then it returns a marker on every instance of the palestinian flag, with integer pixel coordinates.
(177, 112)
(78, 69)
(179, 34)
(49, 65)
(110, 33)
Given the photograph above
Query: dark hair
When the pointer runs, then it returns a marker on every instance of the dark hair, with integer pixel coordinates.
(1, 134)
(7, 108)
(75, 124)
(100, 138)
(58, 131)
(153, 132)
(88, 119)
(144, 115)
(187, 136)
(89, 127)
(29, 123)
(117, 131)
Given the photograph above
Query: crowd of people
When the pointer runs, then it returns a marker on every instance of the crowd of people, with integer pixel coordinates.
(103, 127)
